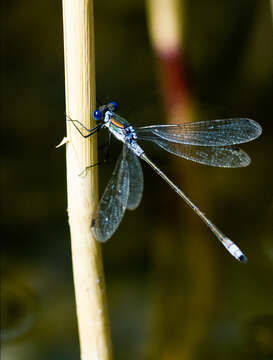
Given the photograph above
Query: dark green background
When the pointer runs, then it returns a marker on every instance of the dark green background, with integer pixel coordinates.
(173, 291)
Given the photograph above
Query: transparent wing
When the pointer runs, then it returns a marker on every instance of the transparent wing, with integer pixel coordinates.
(135, 180)
(223, 132)
(230, 157)
(113, 202)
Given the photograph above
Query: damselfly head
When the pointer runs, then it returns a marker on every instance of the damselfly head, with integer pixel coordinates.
(99, 113)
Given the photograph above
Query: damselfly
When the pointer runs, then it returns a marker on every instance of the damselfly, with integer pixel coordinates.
(207, 142)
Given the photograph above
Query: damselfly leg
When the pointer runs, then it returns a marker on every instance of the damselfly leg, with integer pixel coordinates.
(106, 148)
(91, 131)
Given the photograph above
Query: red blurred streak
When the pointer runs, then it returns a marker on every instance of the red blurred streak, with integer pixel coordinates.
(174, 86)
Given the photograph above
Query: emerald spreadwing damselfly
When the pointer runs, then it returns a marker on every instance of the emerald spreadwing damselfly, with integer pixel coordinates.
(208, 142)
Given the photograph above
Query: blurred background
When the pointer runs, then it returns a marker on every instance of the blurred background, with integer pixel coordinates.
(173, 290)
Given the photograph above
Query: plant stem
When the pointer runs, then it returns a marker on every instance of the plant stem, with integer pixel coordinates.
(82, 192)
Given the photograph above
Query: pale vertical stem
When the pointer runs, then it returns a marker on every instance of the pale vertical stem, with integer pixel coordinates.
(164, 20)
(82, 191)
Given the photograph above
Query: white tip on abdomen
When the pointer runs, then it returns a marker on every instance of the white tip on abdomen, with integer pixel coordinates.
(235, 251)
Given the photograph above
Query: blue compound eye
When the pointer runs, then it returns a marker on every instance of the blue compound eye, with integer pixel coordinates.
(97, 115)
(114, 105)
